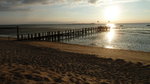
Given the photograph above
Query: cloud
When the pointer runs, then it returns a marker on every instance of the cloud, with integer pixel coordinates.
(108, 2)
(14, 5)
(24, 5)
(93, 1)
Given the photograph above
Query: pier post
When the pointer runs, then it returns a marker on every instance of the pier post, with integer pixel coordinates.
(31, 36)
(35, 36)
(48, 36)
(39, 36)
(69, 33)
(58, 36)
(62, 35)
(28, 38)
(73, 33)
(54, 36)
(21, 37)
(18, 33)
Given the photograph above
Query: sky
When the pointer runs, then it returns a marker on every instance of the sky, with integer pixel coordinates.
(74, 11)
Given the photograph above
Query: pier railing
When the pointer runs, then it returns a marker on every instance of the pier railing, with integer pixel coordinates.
(61, 35)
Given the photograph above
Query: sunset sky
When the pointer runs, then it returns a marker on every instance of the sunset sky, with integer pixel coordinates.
(74, 11)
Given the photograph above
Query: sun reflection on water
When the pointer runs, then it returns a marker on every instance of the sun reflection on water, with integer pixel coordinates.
(111, 25)
(110, 35)
(108, 47)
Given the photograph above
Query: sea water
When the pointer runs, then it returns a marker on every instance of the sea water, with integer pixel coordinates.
(123, 36)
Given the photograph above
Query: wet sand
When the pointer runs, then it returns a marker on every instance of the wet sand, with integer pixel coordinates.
(128, 55)
(58, 63)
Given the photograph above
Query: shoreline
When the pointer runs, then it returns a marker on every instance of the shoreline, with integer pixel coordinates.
(33, 62)
(128, 55)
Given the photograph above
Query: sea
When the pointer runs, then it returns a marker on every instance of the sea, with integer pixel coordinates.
(129, 36)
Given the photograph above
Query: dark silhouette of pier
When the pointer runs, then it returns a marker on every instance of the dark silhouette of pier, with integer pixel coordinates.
(57, 36)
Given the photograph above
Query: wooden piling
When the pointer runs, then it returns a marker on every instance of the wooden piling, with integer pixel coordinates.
(60, 35)
(18, 33)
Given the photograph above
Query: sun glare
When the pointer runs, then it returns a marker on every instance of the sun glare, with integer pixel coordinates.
(111, 25)
(111, 33)
(112, 13)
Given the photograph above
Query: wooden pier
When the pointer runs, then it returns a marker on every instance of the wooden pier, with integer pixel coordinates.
(57, 36)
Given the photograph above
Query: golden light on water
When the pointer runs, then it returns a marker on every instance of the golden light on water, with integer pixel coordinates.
(108, 47)
(111, 25)
(110, 35)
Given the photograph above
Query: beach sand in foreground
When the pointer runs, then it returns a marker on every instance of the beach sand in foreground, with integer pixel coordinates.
(58, 63)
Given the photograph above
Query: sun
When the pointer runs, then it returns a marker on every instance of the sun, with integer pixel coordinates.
(111, 25)
(112, 13)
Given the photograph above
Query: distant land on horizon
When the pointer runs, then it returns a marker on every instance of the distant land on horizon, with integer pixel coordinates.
(69, 24)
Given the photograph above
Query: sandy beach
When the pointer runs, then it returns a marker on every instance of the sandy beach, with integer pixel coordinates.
(33, 62)
(128, 55)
